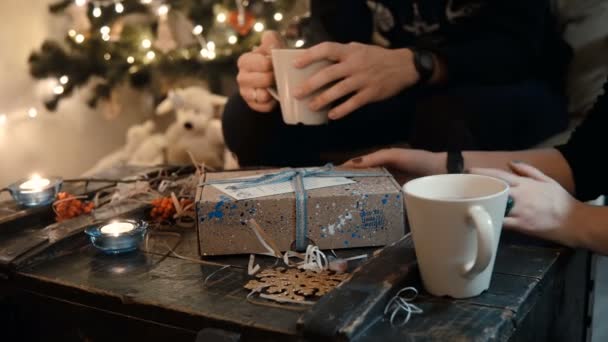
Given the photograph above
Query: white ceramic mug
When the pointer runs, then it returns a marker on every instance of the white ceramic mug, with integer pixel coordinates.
(287, 78)
(456, 220)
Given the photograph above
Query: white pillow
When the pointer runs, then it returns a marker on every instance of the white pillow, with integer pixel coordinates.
(585, 24)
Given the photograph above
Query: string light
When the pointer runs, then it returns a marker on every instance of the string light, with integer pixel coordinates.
(205, 53)
(32, 112)
(221, 17)
(130, 60)
(97, 12)
(64, 79)
(211, 55)
(107, 56)
(79, 38)
(163, 10)
(146, 43)
(211, 46)
(146, 2)
(258, 27)
(2, 119)
(105, 37)
(105, 30)
(299, 43)
(278, 16)
(198, 29)
(80, 2)
(119, 7)
(72, 33)
(150, 55)
(232, 39)
(58, 90)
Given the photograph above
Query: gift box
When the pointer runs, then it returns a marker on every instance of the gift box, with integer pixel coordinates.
(367, 212)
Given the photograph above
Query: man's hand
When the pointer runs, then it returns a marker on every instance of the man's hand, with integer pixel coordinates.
(367, 73)
(256, 74)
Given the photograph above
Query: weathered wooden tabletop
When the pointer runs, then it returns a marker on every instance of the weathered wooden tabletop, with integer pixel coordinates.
(73, 292)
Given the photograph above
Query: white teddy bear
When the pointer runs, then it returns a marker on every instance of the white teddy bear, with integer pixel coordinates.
(197, 129)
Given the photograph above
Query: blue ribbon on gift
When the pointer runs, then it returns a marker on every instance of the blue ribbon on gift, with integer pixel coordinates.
(296, 176)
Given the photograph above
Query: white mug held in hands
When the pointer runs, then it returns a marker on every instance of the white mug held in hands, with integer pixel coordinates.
(456, 221)
(287, 78)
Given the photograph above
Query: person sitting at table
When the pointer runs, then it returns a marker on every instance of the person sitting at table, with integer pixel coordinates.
(476, 74)
(541, 181)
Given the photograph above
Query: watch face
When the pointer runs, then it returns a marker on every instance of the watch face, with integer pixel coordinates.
(426, 61)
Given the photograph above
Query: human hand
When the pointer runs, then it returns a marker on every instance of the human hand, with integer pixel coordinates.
(541, 208)
(411, 162)
(366, 72)
(255, 73)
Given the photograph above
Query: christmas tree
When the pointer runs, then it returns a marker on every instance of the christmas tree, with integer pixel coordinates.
(146, 42)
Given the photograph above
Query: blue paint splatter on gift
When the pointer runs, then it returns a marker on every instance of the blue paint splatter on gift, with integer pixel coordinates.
(345, 242)
(218, 210)
(385, 199)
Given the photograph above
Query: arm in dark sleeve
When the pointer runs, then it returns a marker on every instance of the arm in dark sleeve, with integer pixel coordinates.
(502, 43)
(342, 21)
(586, 152)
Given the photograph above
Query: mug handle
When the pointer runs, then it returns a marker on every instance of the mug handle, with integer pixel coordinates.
(273, 93)
(485, 241)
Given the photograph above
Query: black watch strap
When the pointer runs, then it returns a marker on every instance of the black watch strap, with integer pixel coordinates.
(455, 162)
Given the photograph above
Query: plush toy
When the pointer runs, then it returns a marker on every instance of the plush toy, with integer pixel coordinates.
(197, 130)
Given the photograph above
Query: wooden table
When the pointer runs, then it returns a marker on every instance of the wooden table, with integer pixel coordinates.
(71, 292)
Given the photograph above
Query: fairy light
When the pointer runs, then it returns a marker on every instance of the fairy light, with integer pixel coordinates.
(211, 55)
(105, 30)
(146, 2)
(105, 37)
(198, 29)
(79, 38)
(205, 53)
(64, 79)
(58, 90)
(221, 17)
(32, 112)
(163, 10)
(150, 55)
(2, 119)
(146, 43)
(119, 7)
(72, 33)
(258, 27)
(130, 60)
(107, 56)
(299, 43)
(232, 39)
(278, 16)
(80, 2)
(97, 12)
(211, 46)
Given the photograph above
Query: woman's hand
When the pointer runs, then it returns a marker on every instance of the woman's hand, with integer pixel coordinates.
(255, 73)
(367, 73)
(412, 162)
(542, 207)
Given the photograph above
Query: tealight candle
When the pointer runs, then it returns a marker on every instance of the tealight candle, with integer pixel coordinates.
(35, 191)
(117, 228)
(116, 237)
(34, 184)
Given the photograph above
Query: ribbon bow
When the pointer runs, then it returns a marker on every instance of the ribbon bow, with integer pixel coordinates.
(296, 176)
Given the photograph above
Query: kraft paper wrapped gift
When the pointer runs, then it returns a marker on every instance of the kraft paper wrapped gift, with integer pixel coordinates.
(368, 212)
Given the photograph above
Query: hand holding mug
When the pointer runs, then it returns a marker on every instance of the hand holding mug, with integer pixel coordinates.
(256, 73)
(367, 73)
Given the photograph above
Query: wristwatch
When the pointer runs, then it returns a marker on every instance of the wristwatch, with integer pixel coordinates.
(424, 64)
(455, 162)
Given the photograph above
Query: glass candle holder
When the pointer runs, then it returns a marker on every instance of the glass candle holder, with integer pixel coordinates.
(35, 191)
(118, 236)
